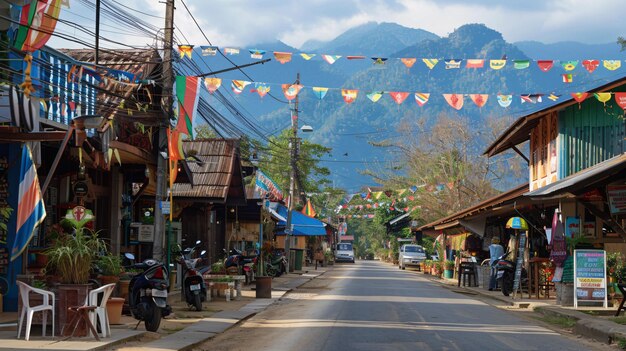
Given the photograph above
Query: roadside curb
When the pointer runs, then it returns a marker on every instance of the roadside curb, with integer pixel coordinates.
(208, 328)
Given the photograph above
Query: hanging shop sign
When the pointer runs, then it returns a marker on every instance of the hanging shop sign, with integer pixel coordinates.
(590, 276)
(146, 233)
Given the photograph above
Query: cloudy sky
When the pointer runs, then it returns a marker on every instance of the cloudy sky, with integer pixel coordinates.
(245, 22)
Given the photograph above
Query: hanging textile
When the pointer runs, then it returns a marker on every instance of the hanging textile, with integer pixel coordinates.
(453, 63)
(398, 96)
(307, 56)
(421, 98)
(591, 65)
(569, 65)
(612, 65)
(291, 90)
(209, 50)
(505, 100)
(497, 64)
(238, 86)
(188, 94)
(331, 58)
(319, 92)
(479, 99)
(545, 65)
(349, 95)
(430, 63)
(37, 22)
(475, 63)
(521, 64)
(408, 62)
(454, 100)
(282, 57)
(375, 96)
(212, 84)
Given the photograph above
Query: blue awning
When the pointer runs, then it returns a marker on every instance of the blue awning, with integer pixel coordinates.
(302, 225)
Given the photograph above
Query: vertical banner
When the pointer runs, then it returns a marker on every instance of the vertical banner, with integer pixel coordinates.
(590, 276)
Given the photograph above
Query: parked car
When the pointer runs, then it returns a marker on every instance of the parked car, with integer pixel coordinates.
(434, 257)
(344, 253)
(411, 255)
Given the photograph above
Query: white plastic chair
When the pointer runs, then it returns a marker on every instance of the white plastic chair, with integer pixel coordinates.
(28, 311)
(100, 313)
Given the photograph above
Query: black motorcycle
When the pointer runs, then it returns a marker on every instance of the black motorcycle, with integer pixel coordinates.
(194, 287)
(275, 265)
(147, 293)
(505, 274)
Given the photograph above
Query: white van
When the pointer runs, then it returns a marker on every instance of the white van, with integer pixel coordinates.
(344, 253)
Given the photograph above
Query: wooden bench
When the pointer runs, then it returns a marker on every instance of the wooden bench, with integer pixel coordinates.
(235, 293)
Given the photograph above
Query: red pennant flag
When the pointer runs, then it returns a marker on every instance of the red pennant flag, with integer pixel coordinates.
(349, 95)
(408, 62)
(479, 99)
(620, 98)
(545, 65)
(398, 96)
(591, 65)
(454, 100)
(580, 97)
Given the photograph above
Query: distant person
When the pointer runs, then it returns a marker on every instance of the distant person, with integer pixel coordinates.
(495, 251)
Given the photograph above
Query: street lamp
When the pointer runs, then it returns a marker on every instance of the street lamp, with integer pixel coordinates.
(78, 124)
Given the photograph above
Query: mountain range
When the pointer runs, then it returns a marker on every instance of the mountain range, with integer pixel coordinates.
(350, 129)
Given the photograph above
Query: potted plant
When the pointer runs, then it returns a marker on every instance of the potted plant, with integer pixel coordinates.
(71, 257)
(329, 258)
(449, 269)
(427, 266)
(110, 268)
(437, 267)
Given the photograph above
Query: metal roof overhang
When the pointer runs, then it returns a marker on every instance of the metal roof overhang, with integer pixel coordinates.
(581, 180)
(489, 204)
(520, 130)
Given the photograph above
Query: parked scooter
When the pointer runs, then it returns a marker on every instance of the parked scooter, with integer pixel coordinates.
(194, 288)
(237, 259)
(276, 265)
(505, 274)
(147, 293)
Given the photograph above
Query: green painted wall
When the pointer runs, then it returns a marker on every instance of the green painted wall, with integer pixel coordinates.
(590, 134)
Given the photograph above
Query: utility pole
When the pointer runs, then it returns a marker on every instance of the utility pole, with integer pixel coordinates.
(166, 106)
(293, 143)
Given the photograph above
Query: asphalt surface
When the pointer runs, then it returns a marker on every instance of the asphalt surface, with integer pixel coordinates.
(374, 306)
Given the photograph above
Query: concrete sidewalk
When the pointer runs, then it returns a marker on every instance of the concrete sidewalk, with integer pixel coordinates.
(207, 328)
(195, 330)
(594, 324)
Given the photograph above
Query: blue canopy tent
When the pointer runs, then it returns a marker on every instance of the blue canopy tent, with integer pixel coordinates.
(302, 225)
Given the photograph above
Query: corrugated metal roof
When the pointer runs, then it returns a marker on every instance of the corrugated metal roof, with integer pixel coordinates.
(212, 178)
(583, 179)
(482, 206)
(143, 63)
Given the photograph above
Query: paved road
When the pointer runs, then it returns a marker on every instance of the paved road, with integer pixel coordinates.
(374, 306)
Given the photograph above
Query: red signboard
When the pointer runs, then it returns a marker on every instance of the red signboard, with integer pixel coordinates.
(346, 238)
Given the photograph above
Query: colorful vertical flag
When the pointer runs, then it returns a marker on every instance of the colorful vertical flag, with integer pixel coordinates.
(31, 210)
(568, 78)
(188, 94)
(37, 21)
(308, 209)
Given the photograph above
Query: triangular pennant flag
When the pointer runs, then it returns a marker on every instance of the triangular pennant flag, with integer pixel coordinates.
(231, 51)
(413, 189)
(212, 84)
(580, 97)
(398, 96)
(505, 100)
(65, 3)
(479, 99)
(497, 64)
(475, 63)
(620, 98)
(531, 98)
(430, 63)
(421, 98)
(262, 88)
(379, 60)
(521, 64)
(568, 77)
(554, 97)
(256, 53)
(308, 209)
(239, 85)
(375, 96)
(611, 65)
(355, 57)
(591, 65)
(545, 65)
(331, 58)
(349, 95)
(307, 56)
(319, 92)
(291, 90)
(209, 50)
(453, 63)
(569, 65)
(408, 61)
(603, 97)
(454, 100)
(282, 57)
(185, 50)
